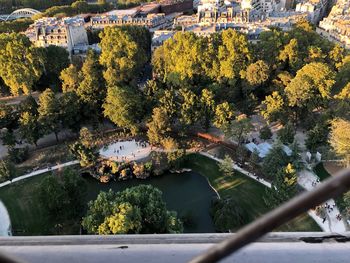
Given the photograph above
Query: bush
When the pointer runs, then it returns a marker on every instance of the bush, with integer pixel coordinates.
(228, 215)
(286, 134)
(265, 133)
(18, 155)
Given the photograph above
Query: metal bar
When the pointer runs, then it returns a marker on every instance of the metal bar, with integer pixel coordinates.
(332, 187)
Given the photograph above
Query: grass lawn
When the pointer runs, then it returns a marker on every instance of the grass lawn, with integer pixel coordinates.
(248, 191)
(27, 215)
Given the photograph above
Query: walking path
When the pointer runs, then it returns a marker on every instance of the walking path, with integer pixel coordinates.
(5, 223)
(305, 179)
(308, 180)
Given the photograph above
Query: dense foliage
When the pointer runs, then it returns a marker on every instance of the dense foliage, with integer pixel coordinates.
(135, 210)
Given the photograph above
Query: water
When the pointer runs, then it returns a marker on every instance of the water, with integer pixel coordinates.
(189, 194)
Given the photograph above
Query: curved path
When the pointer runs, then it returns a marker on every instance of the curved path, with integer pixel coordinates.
(5, 223)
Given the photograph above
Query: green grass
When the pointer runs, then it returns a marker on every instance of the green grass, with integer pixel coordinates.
(27, 215)
(248, 191)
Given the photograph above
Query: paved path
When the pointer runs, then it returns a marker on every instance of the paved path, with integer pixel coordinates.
(306, 178)
(5, 223)
(41, 171)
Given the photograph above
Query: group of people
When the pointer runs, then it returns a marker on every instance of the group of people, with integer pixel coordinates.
(314, 183)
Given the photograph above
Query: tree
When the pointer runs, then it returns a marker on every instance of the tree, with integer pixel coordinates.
(290, 55)
(92, 89)
(168, 103)
(8, 117)
(311, 86)
(283, 188)
(340, 139)
(223, 115)
(275, 160)
(159, 126)
(257, 73)
(189, 109)
(265, 133)
(346, 198)
(317, 137)
(228, 214)
(29, 127)
(84, 149)
(239, 128)
(70, 78)
(49, 112)
(286, 134)
(55, 60)
(207, 104)
(63, 196)
(226, 166)
(234, 54)
(143, 207)
(273, 107)
(121, 56)
(123, 107)
(70, 108)
(30, 105)
(125, 219)
(21, 63)
(81, 6)
(7, 170)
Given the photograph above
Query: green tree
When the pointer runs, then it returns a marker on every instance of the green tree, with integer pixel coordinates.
(8, 117)
(265, 133)
(121, 56)
(273, 107)
(7, 170)
(125, 219)
(290, 55)
(70, 109)
(207, 104)
(55, 60)
(145, 212)
(49, 112)
(283, 188)
(92, 89)
(21, 63)
(189, 109)
(63, 196)
(239, 128)
(29, 128)
(226, 166)
(340, 139)
(81, 6)
(168, 103)
(286, 134)
(123, 107)
(234, 54)
(228, 214)
(70, 78)
(223, 115)
(159, 126)
(317, 137)
(275, 160)
(311, 86)
(257, 73)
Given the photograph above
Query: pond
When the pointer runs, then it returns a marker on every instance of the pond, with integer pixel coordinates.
(188, 193)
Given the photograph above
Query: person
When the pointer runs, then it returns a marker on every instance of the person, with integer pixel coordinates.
(324, 220)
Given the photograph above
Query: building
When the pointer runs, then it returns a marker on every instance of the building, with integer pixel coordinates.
(128, 17)
(315, 9)
(336, 27)
(67, 32)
